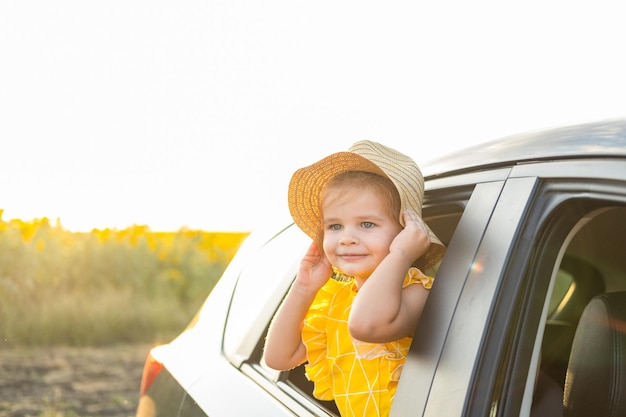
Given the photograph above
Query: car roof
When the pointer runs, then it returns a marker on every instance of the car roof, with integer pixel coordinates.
(598, 139)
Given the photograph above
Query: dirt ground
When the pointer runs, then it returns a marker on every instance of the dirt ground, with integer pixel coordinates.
(70, 381)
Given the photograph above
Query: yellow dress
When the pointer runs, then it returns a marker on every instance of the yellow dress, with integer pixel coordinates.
(361, 377)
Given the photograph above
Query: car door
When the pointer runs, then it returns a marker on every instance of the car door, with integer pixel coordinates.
(478, 348)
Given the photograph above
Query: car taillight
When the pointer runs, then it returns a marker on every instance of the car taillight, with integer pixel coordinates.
(150, 371)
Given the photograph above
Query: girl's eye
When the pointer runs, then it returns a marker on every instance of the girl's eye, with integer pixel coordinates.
(334, 227)
(367, 225)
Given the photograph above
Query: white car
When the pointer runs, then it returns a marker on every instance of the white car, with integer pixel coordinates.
(535, 227)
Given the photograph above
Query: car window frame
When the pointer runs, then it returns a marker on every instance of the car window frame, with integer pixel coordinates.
(432, 330)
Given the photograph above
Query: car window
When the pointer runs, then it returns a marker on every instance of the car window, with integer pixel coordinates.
(442, 219)
(588, 264)
(592, 264)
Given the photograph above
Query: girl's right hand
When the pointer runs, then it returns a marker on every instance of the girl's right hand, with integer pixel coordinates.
(315, 269)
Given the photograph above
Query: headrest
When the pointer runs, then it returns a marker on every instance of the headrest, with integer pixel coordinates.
(595, 384)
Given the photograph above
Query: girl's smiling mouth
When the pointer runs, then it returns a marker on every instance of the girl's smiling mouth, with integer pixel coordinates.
(351, 256)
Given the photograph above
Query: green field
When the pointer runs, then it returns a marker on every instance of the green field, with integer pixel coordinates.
(103, 287)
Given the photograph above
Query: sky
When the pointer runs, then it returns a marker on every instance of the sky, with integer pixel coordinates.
(196, 113)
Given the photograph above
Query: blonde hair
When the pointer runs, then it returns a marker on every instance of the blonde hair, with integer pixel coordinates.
(356, 181)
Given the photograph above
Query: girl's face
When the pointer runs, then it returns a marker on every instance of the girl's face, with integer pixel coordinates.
(358, 229)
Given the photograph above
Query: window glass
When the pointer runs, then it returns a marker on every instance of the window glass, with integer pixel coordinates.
(260, 288)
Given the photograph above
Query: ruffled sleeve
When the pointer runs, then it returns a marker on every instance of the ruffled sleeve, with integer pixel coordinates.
(416, 276)
(315, 340)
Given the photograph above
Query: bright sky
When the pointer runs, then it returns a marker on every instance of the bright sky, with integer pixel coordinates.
(196, 113)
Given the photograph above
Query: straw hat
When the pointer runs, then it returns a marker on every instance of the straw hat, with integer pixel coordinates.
(307, 184)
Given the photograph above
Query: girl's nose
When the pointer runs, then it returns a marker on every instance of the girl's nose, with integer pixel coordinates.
(347, 238)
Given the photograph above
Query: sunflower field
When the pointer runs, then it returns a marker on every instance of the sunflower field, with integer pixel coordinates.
(106, 286)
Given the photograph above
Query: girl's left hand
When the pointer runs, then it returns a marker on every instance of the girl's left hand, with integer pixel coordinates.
(413, 241)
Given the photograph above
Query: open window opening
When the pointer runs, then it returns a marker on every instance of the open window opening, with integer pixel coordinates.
(443, 220)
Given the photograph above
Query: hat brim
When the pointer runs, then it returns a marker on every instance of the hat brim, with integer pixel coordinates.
(307, 183)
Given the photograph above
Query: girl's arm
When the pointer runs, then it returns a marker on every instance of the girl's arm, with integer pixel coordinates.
(383, 311)
(283, 347)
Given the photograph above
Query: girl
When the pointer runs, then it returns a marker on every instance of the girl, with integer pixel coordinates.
(354, 305)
